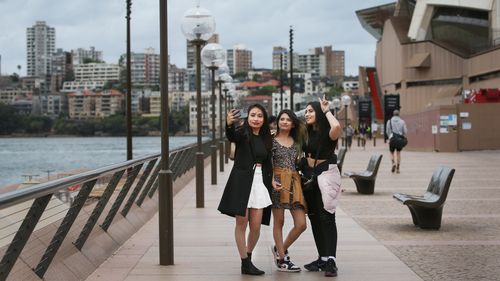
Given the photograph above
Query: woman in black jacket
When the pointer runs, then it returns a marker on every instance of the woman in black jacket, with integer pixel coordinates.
(247, 193)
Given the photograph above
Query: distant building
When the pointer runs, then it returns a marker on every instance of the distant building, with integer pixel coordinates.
(349, 86)
(40, 45)
(144, 67)
(89, 104)
(81, 55)
(176, 78)
(239, 59)
(191, 50)
(96, 72)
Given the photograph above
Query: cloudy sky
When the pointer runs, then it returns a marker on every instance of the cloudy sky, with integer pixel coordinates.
(258, 24)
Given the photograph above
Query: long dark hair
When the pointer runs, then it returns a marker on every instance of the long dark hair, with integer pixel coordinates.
(321, 122)
(264, 131)
(297, 132)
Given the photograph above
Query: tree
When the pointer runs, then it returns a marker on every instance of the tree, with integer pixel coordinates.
(9, 119)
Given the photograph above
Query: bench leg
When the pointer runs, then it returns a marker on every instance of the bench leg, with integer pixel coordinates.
(365, 186)
(426, 218)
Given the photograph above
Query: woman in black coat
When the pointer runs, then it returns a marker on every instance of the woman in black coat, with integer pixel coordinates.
(247, 193)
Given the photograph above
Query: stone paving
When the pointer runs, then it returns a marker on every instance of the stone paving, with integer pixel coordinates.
(467, 247)
(377, 239)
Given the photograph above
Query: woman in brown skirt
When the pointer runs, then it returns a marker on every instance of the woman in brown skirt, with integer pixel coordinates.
(287, 193)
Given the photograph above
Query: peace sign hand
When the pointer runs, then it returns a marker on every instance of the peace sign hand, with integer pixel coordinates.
(324, 103)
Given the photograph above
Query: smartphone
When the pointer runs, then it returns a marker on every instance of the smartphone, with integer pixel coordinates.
(243, 113)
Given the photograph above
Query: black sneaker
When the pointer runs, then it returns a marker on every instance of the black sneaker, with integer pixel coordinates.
(317, 265)
(393, 168)
(277, 256)
(287, 266)
(330, 268)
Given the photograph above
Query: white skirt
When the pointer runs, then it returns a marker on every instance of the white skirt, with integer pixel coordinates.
(259, 196)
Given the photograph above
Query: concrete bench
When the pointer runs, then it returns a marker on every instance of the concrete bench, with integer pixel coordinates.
(365, 181)
(340, 158)
(427, 210)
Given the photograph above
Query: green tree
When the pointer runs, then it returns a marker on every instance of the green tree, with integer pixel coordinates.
(10, 121)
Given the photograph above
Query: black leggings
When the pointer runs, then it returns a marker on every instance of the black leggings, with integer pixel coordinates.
(323, 223)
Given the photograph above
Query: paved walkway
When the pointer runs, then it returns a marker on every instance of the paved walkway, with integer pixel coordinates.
(377, 240)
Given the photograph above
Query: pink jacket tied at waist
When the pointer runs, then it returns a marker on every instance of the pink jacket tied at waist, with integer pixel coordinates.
(329, 185)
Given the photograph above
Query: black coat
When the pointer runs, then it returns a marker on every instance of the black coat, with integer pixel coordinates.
(234, 200)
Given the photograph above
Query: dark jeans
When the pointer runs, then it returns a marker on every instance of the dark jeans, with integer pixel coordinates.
(323, 223)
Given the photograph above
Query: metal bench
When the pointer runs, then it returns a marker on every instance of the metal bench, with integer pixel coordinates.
(340, 158)
(427, 210)
(365, 181)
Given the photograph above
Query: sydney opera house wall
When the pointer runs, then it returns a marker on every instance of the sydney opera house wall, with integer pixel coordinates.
(429, 59)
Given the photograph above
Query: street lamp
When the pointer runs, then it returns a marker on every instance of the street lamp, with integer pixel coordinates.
(346, 101)
(226, 105)
(336, 107)
(198, 25)
(222, 76)
(213, 56)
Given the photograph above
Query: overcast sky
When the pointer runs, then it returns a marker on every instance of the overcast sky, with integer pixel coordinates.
(257, 24)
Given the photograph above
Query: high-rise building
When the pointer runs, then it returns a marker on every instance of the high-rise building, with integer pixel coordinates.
(145, 68)
(191, 49)
(40, 45)
(81, 55)
(239, 59)
(280, 53)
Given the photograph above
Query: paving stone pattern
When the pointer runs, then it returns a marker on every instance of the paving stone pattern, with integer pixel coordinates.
(467, 247)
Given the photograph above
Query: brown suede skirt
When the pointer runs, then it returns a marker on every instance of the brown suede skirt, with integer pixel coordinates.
(291, 196)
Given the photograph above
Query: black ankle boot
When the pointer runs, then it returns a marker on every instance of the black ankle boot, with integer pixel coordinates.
(249, 255)
(248, 268)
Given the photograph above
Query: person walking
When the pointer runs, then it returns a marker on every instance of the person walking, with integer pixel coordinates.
(287, 193)
(247, 192)
(395, 128)
(349, 131)
(323, 130)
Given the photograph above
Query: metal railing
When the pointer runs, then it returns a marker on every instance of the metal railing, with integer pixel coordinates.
(145, 168)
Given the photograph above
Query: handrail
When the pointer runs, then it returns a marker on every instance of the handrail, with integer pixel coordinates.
(38, 190)
(132, 191)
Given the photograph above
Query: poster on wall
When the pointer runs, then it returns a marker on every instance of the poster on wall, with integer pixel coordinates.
(452, 120)
(434, 129)
(466, 125)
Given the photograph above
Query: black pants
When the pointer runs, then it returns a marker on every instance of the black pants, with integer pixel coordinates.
(323, 223)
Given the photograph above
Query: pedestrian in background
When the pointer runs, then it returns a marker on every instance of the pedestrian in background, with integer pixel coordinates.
(396, 129)
(247, 193)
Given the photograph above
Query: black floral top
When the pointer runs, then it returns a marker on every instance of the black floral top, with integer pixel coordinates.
(283, 156)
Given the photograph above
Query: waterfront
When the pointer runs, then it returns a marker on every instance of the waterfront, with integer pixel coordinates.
(36, 156)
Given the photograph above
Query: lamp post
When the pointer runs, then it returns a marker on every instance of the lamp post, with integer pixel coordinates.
(213, 56)
(346, 101)
(129, 86)
(198, 25)
(165, 193)
(291, 69)
(226, 106)
(281, 79)
(222, 77)
(336, 107)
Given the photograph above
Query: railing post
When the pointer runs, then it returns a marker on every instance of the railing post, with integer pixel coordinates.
(138, 187)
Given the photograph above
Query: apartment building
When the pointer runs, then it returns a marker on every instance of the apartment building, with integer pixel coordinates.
(239, 59)
(89, 104)
(96, 72)
(82, 55)
(40, 45)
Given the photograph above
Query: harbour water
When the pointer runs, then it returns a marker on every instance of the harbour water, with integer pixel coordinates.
(43, 156)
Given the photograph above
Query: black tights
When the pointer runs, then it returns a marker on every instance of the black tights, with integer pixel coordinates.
(323, 223)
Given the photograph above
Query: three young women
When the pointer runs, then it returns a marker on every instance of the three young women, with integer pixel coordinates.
(247, 193)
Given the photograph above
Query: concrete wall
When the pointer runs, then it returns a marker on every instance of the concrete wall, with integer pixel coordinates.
(484, 132)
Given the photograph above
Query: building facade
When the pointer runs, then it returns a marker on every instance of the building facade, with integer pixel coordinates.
(96, 72)
(82, 55)
(40, 45)
(90, 105)
(239, 59)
